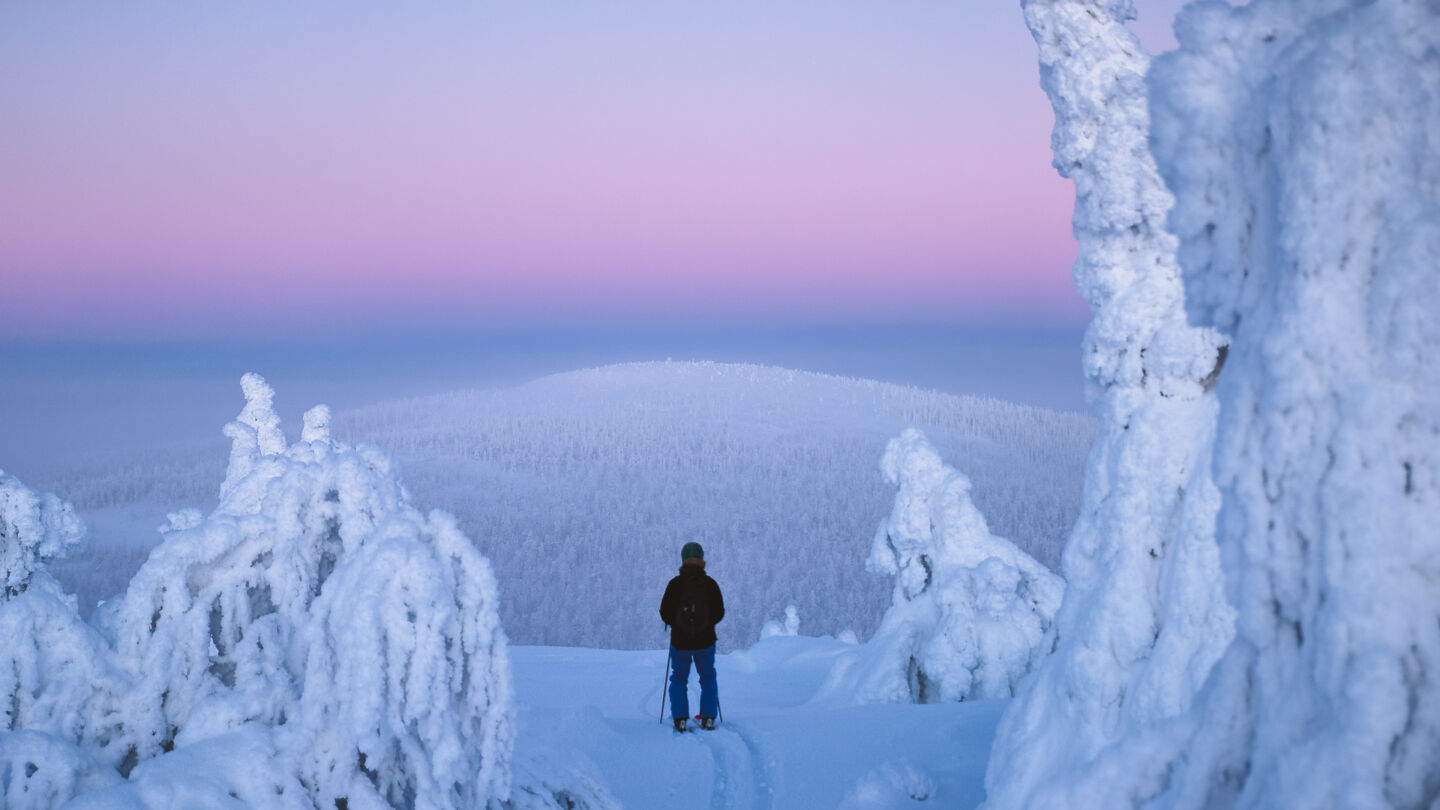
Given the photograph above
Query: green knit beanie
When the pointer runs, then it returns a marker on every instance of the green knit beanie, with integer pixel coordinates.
(690, 550)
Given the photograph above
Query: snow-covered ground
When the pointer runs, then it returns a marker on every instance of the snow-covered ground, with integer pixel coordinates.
(787, 741)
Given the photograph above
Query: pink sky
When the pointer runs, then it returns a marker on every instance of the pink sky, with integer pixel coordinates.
(180, 170)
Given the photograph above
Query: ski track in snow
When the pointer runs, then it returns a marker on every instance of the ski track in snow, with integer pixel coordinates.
(740, 769)
(793, 745)
(733, 766)
(756, 764)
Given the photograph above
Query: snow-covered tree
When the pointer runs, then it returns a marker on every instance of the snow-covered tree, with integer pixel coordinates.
(406, 693)
(316, 598)
(34, 527)
(1302, 140)
(1144, 617)
(789, 627)
(56, 674)
(970, 609)
(59, 694)
(220, 606)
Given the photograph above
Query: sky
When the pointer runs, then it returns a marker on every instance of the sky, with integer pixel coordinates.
(180, 171)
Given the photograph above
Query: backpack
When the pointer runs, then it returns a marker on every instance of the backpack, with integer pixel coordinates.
(692, 611)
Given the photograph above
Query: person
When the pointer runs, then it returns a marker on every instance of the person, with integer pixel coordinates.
(691, 608)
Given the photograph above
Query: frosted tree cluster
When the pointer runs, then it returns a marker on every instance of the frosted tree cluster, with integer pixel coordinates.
(330, 643)
(1302, 142)
(1144, 617)
(970, 609)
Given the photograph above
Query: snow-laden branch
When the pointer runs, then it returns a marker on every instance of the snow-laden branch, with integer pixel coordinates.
(407, 689)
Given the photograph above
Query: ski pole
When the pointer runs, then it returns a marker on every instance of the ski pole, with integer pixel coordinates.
(662, 687)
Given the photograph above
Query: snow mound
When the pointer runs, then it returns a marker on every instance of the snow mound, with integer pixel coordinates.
(890, 786)
(40, 771)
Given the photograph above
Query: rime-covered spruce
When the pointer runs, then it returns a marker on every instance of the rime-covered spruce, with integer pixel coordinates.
(60, 725)
(1144, 617)
(1300, 141)
(313, 641)
(969, 609)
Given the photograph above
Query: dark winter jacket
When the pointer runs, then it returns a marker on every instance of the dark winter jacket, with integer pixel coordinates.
(679, 639)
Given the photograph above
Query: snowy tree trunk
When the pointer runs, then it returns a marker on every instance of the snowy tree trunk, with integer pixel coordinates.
(1303, 142)
(1143, 618)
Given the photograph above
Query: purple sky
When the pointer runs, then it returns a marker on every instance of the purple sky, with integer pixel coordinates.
(182, 170)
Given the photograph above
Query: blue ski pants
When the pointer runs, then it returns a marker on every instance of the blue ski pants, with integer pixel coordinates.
(680, 674)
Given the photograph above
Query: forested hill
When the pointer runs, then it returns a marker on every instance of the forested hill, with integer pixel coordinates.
(581, 488)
